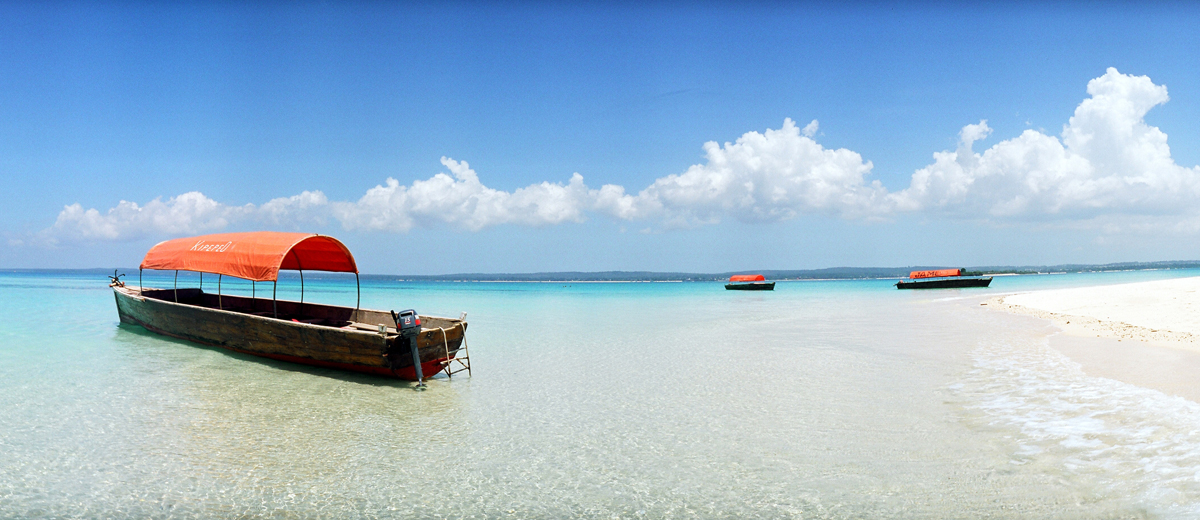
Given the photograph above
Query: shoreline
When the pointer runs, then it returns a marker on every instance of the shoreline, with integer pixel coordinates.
(1083, 326)
(1145, 333)
(1160, 311)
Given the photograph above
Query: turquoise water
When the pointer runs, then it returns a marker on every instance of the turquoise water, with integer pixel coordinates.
(830, 399)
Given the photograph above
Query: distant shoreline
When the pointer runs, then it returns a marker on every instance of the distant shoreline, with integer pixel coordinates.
(825, 274)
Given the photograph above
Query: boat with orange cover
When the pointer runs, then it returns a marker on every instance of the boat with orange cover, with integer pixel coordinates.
(385, 343)
(942, 279)
(749, 282)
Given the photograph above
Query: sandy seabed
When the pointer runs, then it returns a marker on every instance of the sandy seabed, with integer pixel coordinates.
(1145, 333)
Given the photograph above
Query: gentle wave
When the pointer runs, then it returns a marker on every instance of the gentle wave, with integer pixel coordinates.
(1116, 439)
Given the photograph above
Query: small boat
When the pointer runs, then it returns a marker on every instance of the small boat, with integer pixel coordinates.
(362, 340)
(749, 282)
(942, 279)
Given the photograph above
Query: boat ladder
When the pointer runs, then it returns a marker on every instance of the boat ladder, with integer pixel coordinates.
(462, 357)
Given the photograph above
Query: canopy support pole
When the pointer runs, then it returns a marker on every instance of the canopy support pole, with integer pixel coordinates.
(177, 286)
(219, 306)
(300, 310)
(201, 281)
(274, 304)
(139, 281)
(357, 296)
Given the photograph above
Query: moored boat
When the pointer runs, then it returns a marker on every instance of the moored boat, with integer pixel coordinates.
(749, 282)
(362, 340)
(942, 279)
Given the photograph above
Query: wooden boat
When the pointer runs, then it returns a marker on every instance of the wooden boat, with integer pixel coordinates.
(749, 282)
(360, 340)
(942, 279)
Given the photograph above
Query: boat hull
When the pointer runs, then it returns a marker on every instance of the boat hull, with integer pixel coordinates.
(238, 325)
(752, 286)
(945, 283)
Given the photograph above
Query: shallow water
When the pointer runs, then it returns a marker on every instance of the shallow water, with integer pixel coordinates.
(839, 399)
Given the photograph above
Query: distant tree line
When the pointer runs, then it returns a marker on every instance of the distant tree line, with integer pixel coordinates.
(829, 273)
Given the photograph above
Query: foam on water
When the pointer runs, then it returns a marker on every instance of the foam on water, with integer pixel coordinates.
(1122, 440)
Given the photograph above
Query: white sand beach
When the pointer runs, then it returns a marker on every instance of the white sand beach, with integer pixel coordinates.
(1145, 333)
(1161, 311)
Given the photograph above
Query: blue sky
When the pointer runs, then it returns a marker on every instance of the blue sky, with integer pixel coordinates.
(122, 124)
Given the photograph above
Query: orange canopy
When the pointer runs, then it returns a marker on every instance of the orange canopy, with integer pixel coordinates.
(747, 278)
(935, 274)
(254, 256)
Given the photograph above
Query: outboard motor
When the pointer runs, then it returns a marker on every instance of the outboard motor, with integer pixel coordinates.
(408, 325)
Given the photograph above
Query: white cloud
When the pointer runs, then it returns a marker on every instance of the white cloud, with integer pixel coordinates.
(308, 206)
(190, 212)
(1107, 163)
(762, 177)
(460, 201)
(463, 201)
(810, 129)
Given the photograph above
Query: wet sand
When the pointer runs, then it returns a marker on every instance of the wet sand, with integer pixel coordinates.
(1146, 333)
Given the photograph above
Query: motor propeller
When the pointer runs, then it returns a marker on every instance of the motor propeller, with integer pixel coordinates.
(408, 325)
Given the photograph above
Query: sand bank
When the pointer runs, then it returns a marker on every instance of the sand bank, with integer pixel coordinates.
(1158, 311)
(1145, 333)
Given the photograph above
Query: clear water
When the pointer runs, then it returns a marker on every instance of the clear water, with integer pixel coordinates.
(837, 399)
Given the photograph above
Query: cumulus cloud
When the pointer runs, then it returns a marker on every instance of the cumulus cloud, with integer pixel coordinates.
(191, 212)
(460, 201)
(770, 176)
(463, 201)
(1106, 162)
(810, 129)
(308, 206)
